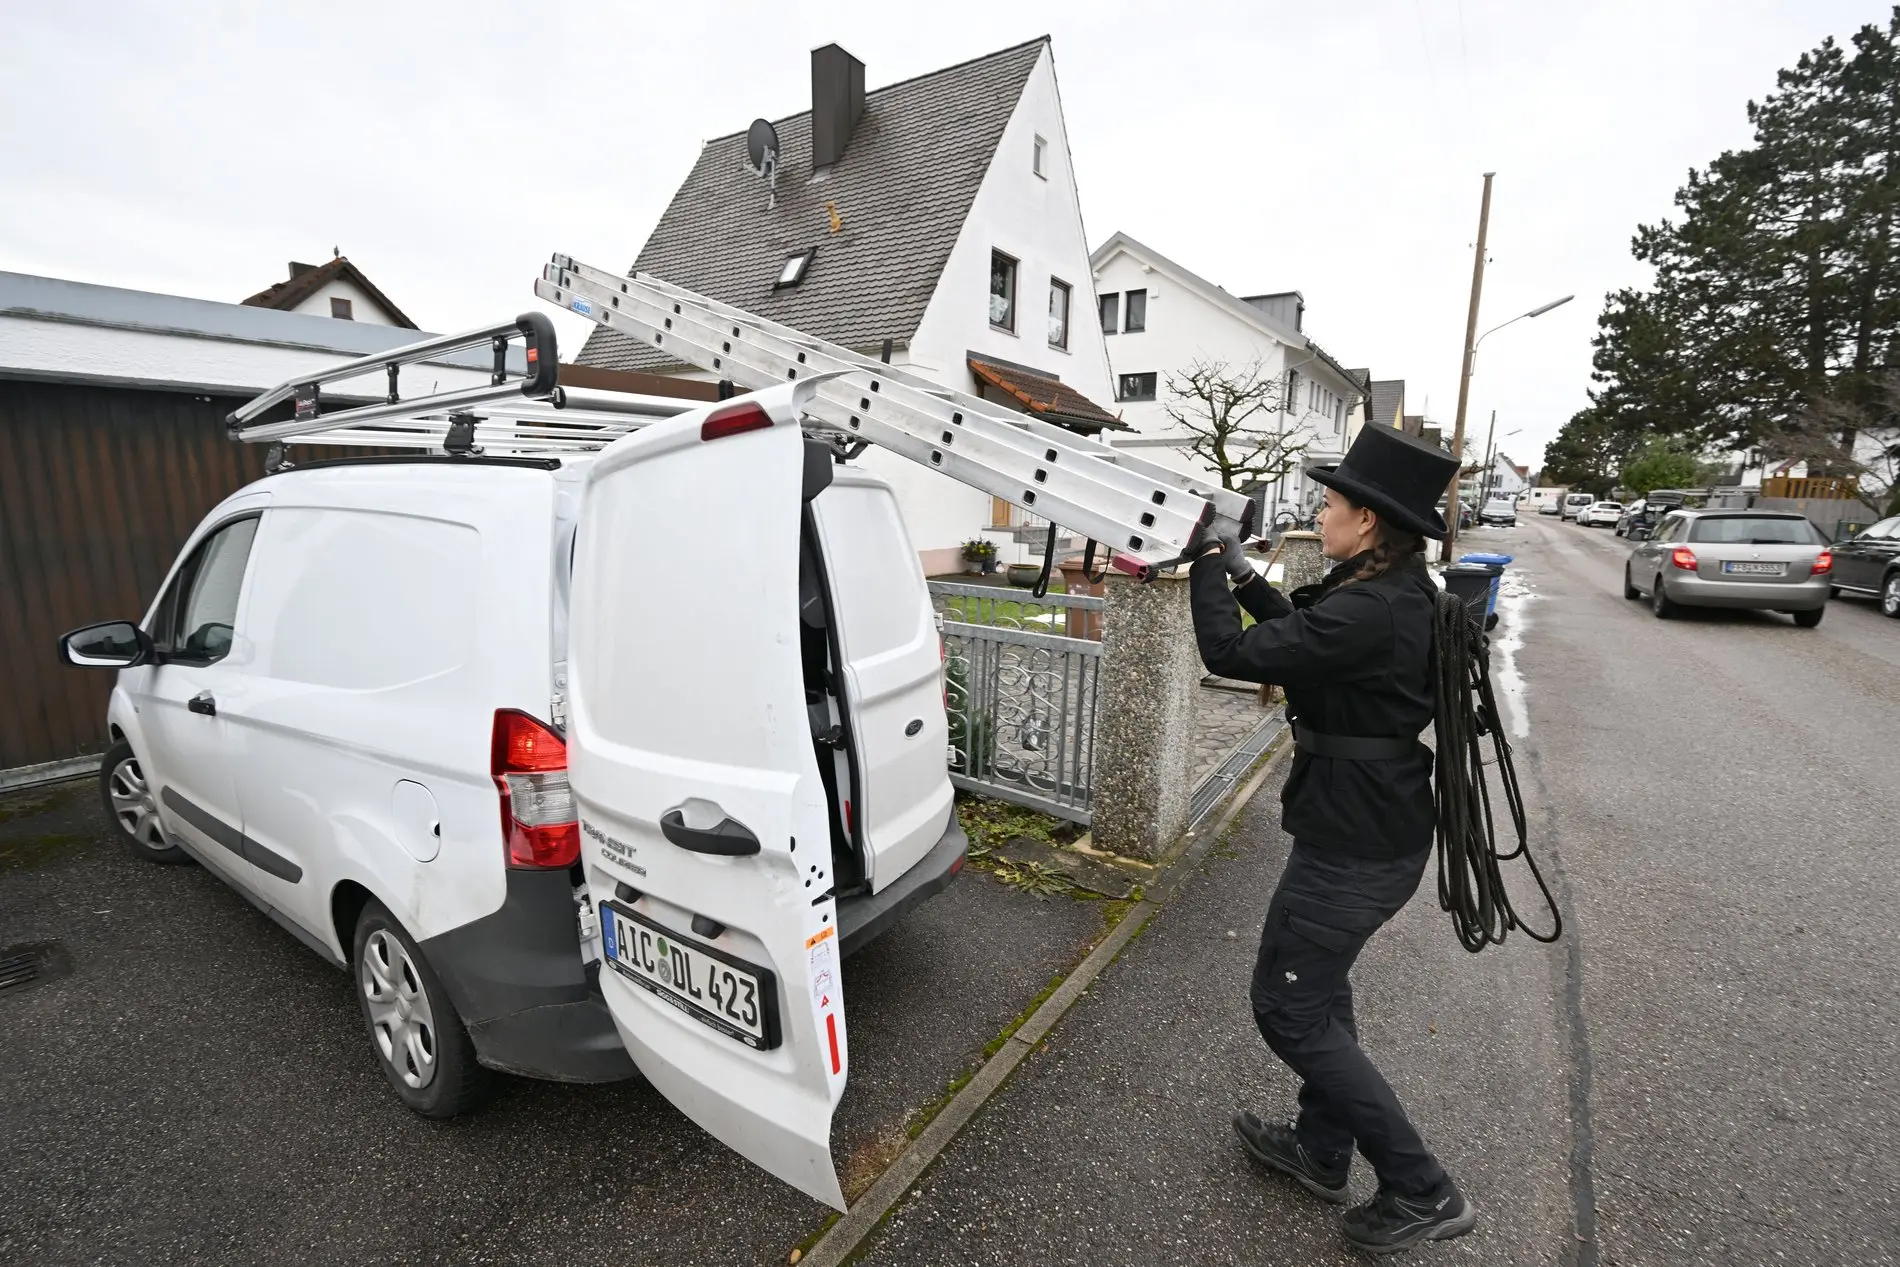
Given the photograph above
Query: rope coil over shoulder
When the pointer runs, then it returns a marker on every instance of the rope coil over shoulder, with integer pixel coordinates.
(1470, 880)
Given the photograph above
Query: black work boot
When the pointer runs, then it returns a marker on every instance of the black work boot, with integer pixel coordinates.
(1391, 1222)
(1280, 1148)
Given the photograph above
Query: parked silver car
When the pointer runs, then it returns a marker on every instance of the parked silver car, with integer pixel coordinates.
(1733, 558)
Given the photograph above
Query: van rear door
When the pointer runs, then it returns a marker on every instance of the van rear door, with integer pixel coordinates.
(705, 835)
(892, 659)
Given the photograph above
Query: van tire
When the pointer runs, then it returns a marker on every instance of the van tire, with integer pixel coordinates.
(131, 805)
(386, 965)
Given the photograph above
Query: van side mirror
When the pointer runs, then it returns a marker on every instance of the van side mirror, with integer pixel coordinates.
(116, 644)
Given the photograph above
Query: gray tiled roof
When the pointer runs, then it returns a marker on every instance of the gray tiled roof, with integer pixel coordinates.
(1388, 400)
(902, 191)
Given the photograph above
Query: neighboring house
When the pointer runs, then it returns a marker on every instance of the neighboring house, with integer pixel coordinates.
(336, 289)
(112, 447)
(1385, 405)
(1507, 479)
(937, 216)
(1160, 319)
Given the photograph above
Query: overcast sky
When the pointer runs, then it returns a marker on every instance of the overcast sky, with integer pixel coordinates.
(1333, 148)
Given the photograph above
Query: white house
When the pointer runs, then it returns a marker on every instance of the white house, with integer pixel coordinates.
(1159, 319)
(335, 289)
(936, 218)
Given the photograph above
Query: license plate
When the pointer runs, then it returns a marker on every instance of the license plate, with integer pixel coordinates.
(722, 991)
(1755, 569)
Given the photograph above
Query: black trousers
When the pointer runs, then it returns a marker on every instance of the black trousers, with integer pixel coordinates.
(1326, 907)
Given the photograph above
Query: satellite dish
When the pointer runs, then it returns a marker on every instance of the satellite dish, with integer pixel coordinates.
(761, 149)
(761, 152)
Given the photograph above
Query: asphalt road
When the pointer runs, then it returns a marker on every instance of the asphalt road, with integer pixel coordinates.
(200, 1090)
(1705, 1070)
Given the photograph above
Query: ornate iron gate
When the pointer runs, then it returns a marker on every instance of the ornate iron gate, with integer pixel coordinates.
(1022, 675)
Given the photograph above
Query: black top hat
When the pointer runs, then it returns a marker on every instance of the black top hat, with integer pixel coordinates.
(1396, 476)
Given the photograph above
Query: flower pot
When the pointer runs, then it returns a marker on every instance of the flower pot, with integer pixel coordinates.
(1024, 574)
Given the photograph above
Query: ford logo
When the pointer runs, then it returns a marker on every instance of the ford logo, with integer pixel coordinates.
(915, 726)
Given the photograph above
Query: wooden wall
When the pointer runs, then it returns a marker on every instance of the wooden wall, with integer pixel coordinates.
(99, 487)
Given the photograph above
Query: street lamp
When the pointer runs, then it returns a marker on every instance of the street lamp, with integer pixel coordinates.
(1471, 360)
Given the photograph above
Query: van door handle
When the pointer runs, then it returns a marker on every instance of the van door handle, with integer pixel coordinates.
(202, 702)
(729, 839)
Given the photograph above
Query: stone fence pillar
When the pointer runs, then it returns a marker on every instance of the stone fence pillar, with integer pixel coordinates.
(1300, 556)
(1144, 716)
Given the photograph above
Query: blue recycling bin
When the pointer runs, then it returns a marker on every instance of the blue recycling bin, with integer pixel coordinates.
(1497, 564)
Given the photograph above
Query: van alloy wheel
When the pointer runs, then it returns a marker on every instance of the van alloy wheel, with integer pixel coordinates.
(399, 1011)
(1890, 596)
(133, 805)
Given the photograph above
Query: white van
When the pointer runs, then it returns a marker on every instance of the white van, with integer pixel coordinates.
(471, 726)
(1576, 503)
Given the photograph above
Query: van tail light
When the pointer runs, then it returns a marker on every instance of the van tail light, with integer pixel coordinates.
(538, 820)
(1682, 557)
(744, 415)
(1823, 563)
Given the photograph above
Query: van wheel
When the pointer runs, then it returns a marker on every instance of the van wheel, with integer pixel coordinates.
(1629, 590)
(1660, 602)
(1810, 618)
(132, 806)
(418, 1038)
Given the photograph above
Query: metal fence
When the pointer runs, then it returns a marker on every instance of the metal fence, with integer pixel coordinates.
(1022, 675)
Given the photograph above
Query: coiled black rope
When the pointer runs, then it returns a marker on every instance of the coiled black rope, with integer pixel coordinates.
(1470, 874)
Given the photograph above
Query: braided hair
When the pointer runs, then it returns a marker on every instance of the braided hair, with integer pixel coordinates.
(1394, 547)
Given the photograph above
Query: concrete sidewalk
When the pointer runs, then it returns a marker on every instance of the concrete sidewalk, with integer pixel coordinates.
(1112, 1143)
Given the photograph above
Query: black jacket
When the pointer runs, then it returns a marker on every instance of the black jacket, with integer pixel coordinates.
(1353, 660)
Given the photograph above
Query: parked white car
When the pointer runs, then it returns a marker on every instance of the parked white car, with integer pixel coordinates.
(471, 727)
(1600, 514)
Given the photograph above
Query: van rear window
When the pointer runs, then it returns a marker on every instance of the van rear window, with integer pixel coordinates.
(1760, 530)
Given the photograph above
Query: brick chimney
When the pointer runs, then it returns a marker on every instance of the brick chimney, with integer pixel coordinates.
(837, 99)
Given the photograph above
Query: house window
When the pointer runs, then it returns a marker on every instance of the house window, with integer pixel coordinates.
(1058, 313)
(792, 271)
(1111, 309)
(1002, 291)
(1136, 387)
(1135, 314)
(1292, 391)
(1036, 162)
(340, 309)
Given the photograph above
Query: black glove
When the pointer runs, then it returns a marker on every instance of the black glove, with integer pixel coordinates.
(1233, 558)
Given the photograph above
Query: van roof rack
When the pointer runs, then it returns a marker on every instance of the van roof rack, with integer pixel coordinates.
(1148, 515)
(521, 411)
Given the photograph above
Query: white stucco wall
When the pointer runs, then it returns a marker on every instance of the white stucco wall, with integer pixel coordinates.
(1038, 221)
(363, 308)
(1183, 326)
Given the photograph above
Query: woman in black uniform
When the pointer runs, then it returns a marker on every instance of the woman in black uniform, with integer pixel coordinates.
(1353, 655)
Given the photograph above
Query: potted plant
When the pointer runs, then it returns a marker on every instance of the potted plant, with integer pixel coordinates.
(980, 554)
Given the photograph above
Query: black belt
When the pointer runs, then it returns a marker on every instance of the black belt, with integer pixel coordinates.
(1353, 747)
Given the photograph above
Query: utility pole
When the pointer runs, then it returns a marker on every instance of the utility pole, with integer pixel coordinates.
(1464, 373)
(1490, 462)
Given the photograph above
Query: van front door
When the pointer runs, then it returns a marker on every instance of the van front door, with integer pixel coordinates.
(195, 627)
(705, 828)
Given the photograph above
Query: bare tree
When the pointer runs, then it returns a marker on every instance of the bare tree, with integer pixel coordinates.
(1234, 416)
(1860, 441)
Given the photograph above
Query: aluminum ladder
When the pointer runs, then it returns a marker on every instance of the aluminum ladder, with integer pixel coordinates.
(1147, 515)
